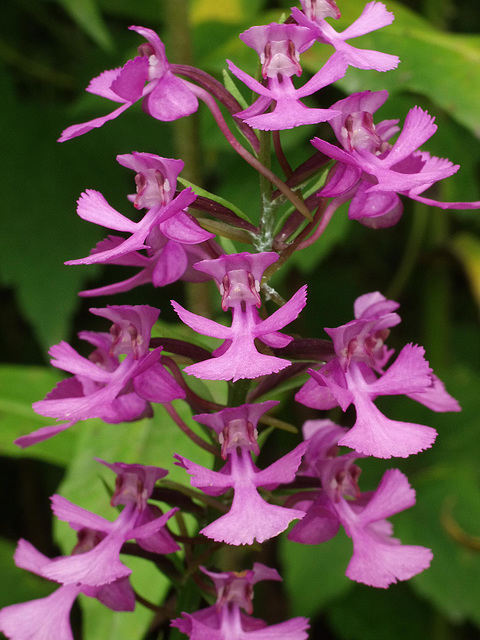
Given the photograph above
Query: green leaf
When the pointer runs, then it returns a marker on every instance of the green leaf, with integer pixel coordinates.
(447, 483)
(314, 575)
(87, 15)
(20, 386)
(231, 86)
(451, 583)
(207, 194)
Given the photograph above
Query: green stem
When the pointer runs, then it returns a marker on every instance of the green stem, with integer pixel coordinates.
(188, 432)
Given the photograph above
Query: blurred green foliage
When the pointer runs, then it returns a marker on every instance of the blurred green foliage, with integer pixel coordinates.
(430, 262)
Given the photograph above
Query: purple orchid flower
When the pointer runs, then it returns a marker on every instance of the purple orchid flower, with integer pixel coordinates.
(278, 46)
(172, 238)
(165, 96)
(356, 376)
(134, 484)
(165, 219)
(250, 517)
(227, 618)
(49, 617)
(101, 564)
(371, 171)
(378, 559)
(238, 277)
(373, 17)
(103, 386)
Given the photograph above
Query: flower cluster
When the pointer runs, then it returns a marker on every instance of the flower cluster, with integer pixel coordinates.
(315, 483)
(94, 567)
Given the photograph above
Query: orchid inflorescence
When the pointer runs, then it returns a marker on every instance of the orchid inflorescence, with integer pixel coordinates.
(129, 371)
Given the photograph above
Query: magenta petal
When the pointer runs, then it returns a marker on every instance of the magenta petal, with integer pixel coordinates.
(170, 99)
(240, 360)
(408, 374)
(368, 59)
(213, 483)
(289, 113)
(77, 517)
(379, 564)
(99, 566)
(250, 518)
(171, 264)
(101, 85)
(436, 397)
(418, 128)
(65, 357)
(93, 207)
(284, 315)
(283, 470)
(143, 277)
(42, 619)
(27, 557)
(181, 228)
(333, 70)
(157, 385)
(378, 210)
(316, 396)
(341, 179)
(44, 433)
(320, 523)
(334, 152)
(79, 129)
(251, 83)
(374, 16)
(118, 595)
(393, 494)
(293, 629)
(200, 324)
(129, 82)
(445, 205)
(373, 434)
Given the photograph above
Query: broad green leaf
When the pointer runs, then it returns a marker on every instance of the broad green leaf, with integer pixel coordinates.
(447, 484)
(451, 583)
(20, 386)
(314, 575)
(87, 15)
